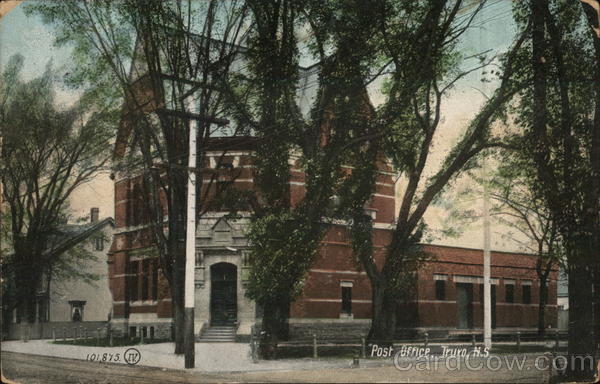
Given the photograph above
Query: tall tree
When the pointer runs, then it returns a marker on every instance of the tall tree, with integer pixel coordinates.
(518, 207)
(560, 114)
(286, 230)
(527, 213)
(419, 80)
(47, 153)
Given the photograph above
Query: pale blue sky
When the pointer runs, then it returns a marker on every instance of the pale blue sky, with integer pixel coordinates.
(33, 39)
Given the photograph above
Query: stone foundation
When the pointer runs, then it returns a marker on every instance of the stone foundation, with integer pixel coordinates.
(153, 330)
(331, 330)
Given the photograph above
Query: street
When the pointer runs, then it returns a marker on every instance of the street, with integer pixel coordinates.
(31, 369)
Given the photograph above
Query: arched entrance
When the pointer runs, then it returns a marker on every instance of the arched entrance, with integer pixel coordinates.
(223, 294)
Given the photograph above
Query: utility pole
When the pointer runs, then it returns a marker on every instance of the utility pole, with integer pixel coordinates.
(487, 303)
(190, 246)
(190, 236)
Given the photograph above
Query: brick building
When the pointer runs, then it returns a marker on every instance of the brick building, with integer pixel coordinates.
(450, 291)
(141, 293)
(337, 294)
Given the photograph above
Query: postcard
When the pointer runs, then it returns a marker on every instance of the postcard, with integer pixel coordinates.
(300, 191)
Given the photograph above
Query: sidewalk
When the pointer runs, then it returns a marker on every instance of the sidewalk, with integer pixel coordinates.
(210, 357)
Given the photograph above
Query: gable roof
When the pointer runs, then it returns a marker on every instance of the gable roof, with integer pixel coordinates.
(68, 236)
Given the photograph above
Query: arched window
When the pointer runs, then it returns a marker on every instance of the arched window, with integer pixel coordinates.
(139, 210)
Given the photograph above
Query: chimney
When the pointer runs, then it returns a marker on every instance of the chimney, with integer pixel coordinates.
(94, 213)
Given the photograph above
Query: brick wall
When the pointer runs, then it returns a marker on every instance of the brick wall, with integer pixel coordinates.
(335, 263)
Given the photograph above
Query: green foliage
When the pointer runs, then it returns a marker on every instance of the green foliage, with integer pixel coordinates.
(285, 234)
(91, 68)
(565, 169)
(47, 153)
(283, 247)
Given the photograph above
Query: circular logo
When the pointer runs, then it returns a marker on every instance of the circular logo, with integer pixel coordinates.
(132, 356)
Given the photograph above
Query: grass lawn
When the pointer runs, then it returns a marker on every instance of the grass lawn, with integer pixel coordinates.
(104, 342)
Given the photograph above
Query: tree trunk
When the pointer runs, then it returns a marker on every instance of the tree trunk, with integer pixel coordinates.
(542, 306)
(597, 308)
(176, 246)
(177, 295)
(581, 345)
(27, 279)
(275, 327)
(383, 317)
(178, 309)
(8, 306)
(178, 313)
(595, 193)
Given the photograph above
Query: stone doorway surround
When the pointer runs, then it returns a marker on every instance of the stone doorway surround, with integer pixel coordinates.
(222, 240)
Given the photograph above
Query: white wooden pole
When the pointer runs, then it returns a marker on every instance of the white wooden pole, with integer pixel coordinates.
(487, 303)
(190, 245)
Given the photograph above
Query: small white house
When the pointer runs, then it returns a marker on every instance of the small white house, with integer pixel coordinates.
(66, 305)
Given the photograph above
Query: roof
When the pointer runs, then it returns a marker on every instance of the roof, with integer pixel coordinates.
(67, 236)
(462, 255)
(147, 102)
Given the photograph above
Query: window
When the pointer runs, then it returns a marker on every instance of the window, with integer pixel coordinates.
(139, 213)
(509, 293)
(77, 314)
(346, 297)
(155, 280)
(77, 310)
(99, 244)
(526, 294)
(440, 286)
(94, 214)
(133, 281)
(440, 290)
(224, 178)
(145, 278)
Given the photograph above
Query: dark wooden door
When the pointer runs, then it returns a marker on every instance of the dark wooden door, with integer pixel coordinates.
(464, 299)
(223, 294)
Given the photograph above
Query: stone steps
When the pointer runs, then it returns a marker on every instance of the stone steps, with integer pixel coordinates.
(218, 334)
